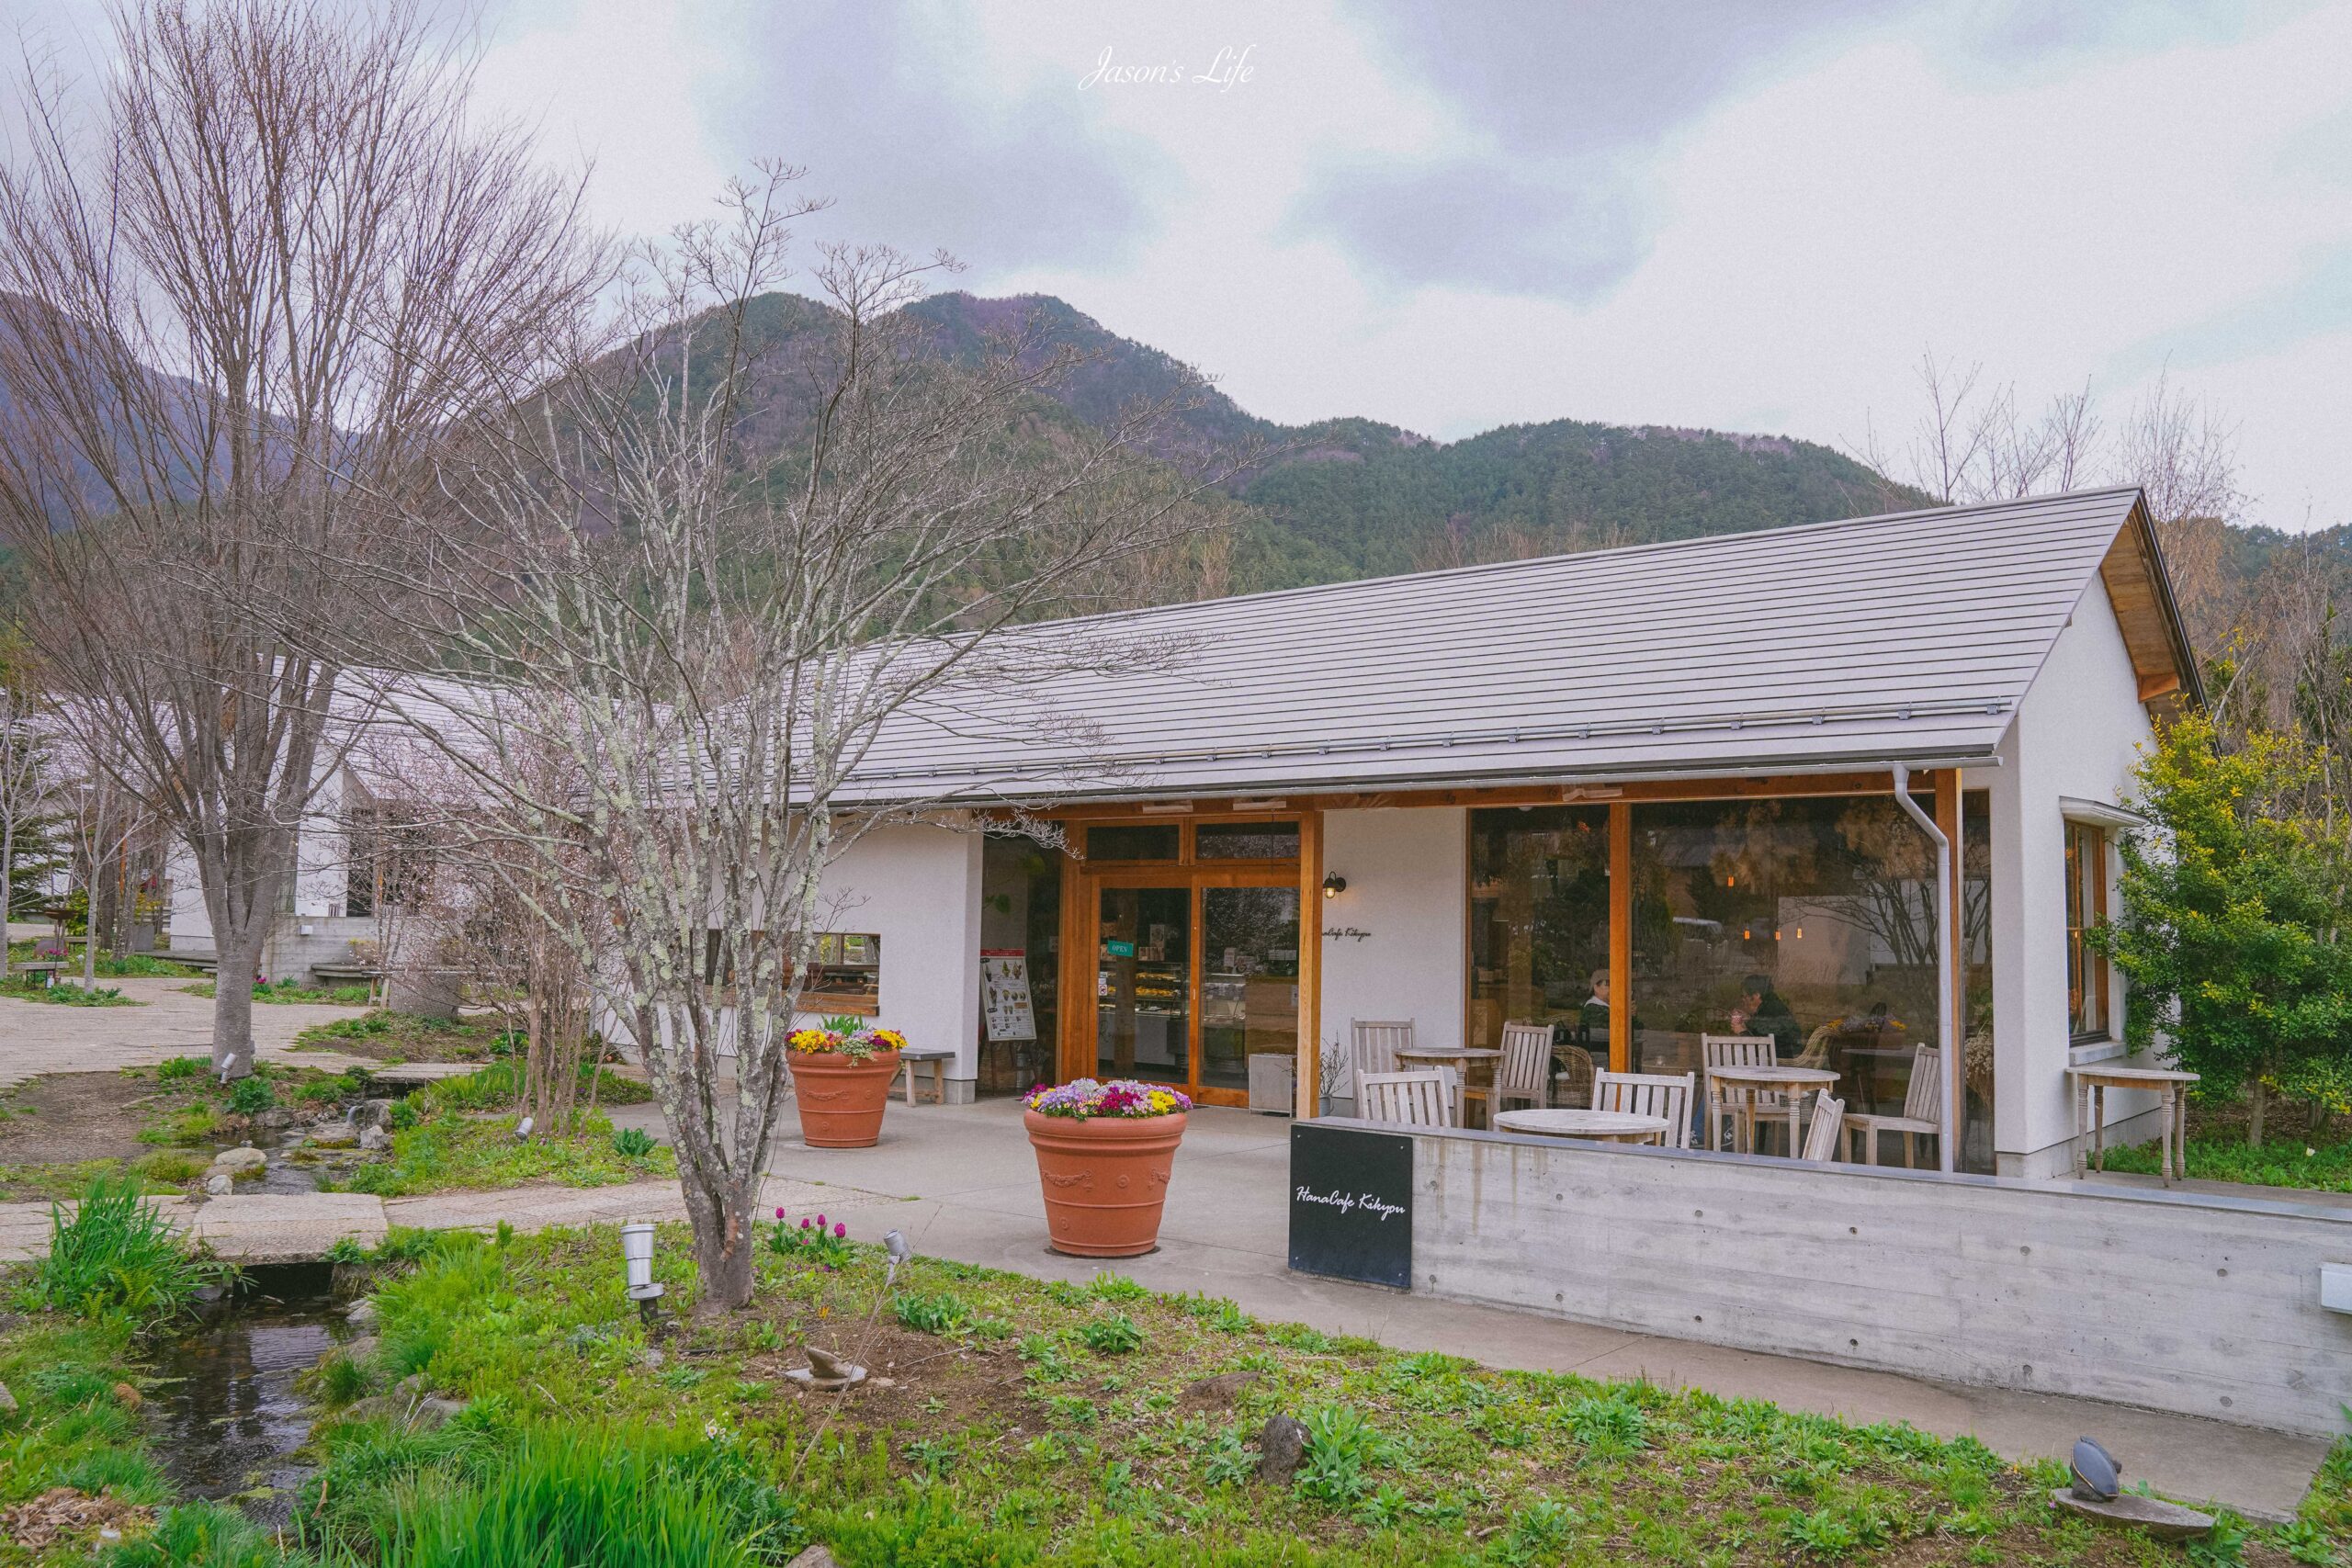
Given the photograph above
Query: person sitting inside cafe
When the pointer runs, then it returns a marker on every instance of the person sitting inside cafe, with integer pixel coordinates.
(1763, 1011)
(1592, 1022)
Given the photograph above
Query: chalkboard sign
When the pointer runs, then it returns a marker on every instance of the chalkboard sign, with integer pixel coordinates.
(1352, 1204)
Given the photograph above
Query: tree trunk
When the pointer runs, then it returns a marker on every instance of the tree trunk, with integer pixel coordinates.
(233, 1002)
(722, 1213)
(7, 886)
(2261, 1095)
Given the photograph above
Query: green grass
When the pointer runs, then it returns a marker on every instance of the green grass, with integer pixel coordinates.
(117, 1256)
(66, 993)
(449, 1150)
(411, 1036)
(640, 1498)
(500, 1086)
(162, 1171)
(2290, 1155)
(1039, 1447)
(141, 966)
(71, 1429)
(291, 991)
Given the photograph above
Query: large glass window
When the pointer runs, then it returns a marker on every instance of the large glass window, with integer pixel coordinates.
(1141, 840)
(1812, 922)
(1021, 916)
(1539, 924)
(2085, 910)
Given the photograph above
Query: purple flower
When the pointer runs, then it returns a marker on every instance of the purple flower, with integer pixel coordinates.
(779, 1213)
(821, 1222)
(841, 1230)
(804, 1222)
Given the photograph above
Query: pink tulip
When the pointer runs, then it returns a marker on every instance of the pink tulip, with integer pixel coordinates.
(839, 1230)
(804, 1222)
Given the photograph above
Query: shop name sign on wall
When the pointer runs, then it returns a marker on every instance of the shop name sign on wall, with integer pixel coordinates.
(1352, 1204)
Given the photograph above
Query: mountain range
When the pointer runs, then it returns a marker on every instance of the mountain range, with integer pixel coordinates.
(1348, 497)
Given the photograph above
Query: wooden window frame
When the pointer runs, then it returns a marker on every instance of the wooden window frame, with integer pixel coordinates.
(2086, 850)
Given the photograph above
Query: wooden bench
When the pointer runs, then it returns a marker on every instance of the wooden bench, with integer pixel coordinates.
(47, 968)
(934, 1057)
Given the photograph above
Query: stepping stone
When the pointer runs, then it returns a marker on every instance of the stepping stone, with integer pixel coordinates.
(2165, 1521)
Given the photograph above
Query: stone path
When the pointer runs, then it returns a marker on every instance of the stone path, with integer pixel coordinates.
(42, 1037)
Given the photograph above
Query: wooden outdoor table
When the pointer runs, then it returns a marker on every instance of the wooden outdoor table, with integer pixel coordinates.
(1602, 1127)
(2091, 1085)
(1474, 1065)
(1790, 1081)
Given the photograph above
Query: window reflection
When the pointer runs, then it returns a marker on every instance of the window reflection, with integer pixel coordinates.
(1812, 922)
(1539, 924)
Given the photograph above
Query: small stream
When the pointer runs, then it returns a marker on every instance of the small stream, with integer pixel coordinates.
(229, 1420)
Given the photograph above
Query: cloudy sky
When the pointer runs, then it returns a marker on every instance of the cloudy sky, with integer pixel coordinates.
(1752, 215)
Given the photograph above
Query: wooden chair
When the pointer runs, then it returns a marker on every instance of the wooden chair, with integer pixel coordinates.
(1373, 1044)
(1649, 1094)
(1828, 1122)
(1415, 1100)
(1922, 1110)
(1574, 1066)
(1737, 1051)
(1525, 1071)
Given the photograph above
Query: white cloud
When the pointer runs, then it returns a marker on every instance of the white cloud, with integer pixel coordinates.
(621, 84)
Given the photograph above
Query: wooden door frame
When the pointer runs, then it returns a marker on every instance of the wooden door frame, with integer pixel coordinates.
(1082, 888)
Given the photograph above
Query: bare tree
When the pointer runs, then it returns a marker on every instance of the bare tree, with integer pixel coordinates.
(711, 645)
(29, 779)
(244, 287)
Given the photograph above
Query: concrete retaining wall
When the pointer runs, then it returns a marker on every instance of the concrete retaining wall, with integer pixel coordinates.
(2181, 1302)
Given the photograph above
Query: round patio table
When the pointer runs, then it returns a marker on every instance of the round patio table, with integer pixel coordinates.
(1474, 1065)
(1790, 1081)
(1603, 1127)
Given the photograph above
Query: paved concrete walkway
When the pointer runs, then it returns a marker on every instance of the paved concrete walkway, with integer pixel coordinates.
(42, 1037)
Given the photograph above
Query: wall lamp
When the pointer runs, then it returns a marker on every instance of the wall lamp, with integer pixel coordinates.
(1334, 884)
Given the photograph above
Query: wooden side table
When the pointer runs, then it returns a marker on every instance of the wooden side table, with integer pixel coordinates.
(2091, 1085)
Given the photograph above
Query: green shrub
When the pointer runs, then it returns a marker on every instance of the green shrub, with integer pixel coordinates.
(940, 1311)
(179, 1067)
(249, 1096)
(633, 1143)
(1340, 1446)
(1112, 1336)
(117, 1254)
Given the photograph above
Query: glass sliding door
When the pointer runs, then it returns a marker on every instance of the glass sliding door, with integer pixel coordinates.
(1143, 984)
(1195, 930)
(1249, 980)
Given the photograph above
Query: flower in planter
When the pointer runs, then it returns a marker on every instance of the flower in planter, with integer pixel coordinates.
(855, 1044)
(1082, 1097)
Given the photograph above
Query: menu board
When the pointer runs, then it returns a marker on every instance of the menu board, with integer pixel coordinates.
(1004, 995)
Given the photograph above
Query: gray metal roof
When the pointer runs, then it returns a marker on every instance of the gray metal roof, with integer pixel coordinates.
(1909, 637)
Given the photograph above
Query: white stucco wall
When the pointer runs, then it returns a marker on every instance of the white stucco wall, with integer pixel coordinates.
(1409, 890)
(2076, 735)
(918, 887)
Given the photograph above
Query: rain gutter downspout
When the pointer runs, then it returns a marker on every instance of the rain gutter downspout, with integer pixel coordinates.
(1947, 1004)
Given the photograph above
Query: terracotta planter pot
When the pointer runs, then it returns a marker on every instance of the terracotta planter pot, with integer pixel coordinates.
(1106, 1180)
(841, 1099)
